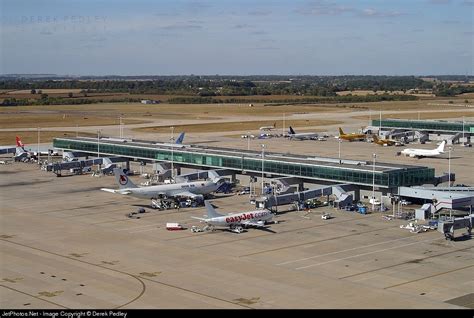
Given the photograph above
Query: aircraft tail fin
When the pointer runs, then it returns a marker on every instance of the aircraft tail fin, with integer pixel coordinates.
(292, 132)
(274, 125)
(20, 152)
(341, 132)
(19, 143)
(214, 176)
(180, 139)
(122, 179)
(106, 161)
(441, 146)
(211, 212)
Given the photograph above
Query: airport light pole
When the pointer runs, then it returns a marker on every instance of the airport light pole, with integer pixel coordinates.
(38, 151)
(248, 140)
(120, 128)
(449, 166)
(263, 160)
(284, 117)
(98, 145)
(373, 182)
(172, 153)
(339, 141)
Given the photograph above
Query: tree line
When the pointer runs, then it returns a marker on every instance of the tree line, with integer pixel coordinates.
(228, 86)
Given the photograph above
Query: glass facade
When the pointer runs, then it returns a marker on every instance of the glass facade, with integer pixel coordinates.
(424, 124)
(385, 179)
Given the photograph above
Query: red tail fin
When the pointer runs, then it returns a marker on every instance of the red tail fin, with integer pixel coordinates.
(19, 143)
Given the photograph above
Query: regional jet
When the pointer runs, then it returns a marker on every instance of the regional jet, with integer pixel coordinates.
(35, 154)
(267, 128)
(301, 136)
(236, 221)
(420, 153)
(195, 189)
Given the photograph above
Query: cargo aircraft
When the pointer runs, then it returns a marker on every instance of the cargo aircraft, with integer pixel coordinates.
(350, 137)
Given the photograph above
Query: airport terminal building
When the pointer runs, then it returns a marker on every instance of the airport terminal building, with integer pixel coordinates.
(365, 175)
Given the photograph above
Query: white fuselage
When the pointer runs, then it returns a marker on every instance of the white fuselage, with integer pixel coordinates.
(420, 152)
(304, 135)
(240, 218)
(169, 190)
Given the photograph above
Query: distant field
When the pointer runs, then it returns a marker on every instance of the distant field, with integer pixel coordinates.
(108, 113)
(431, 115)
(47, 91)
(237, 126)
(31, 120)
(179, 110)
(30, 138)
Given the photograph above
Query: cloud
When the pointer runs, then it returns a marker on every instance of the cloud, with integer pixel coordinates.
(417, 30)
(182, 27)
(373, 13)
(260, 12)
(267, 40)
(324, 7)
(468, 3)
(465, 54)
(351, 38)
(265, 48)
(259, 32)
(450, 22)
(243, 26)
(439, 1)
(471, 33)
(195, 6)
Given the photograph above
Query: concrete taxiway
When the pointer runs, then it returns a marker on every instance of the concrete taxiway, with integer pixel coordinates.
(66, 244)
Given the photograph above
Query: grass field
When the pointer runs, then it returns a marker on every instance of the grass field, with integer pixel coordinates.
(31, 120)
(236, 126)
(108, 113)
(195, 111)
(31, 137)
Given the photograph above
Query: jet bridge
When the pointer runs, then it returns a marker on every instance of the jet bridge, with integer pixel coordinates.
(342, 198)
(58, 167)
(203, 174)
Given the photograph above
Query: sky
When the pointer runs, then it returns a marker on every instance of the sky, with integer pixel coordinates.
(237, 37)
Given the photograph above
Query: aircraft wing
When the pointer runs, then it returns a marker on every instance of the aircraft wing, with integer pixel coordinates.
(254, 223)
(200, 219)
(186, 194)
(116, 191)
